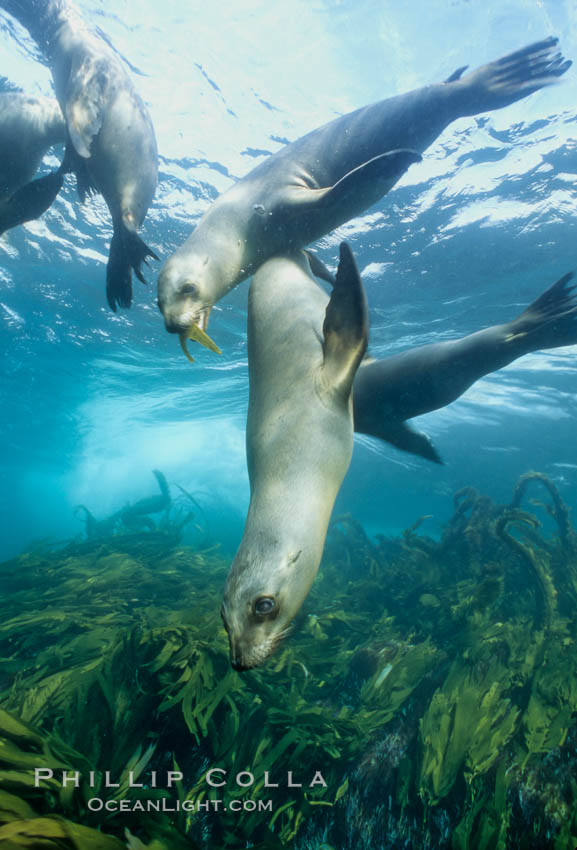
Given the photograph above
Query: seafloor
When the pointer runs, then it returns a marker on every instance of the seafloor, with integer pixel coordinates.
(432, 683)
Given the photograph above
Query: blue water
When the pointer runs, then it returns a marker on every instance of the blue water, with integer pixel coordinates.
(92, 402)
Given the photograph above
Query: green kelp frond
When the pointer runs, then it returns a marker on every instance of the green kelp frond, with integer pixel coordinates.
(466, 725)
(27, 803)
(397, 678)
(55, 834)
(552, 706)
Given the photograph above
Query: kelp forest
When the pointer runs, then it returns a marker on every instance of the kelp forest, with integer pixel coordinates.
(432, 684)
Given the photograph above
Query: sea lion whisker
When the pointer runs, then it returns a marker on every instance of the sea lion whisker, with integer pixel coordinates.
(288, 630)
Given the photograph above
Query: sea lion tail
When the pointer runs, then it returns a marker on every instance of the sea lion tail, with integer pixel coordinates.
(510, 78)
(30, 201)
(127, 253)
(550, 321)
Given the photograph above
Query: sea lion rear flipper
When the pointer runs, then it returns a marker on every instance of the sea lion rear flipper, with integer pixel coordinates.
(85, 101)
(549, 322)
(402, 436)
(30, 201)
(346, 325)
(510, 78)
(127, 252)
(319, 269)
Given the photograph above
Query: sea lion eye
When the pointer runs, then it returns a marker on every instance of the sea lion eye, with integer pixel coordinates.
(264, 605)
(190, 289)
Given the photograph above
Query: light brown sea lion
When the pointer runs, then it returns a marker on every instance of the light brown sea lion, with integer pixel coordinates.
(330, 176)
(303, 354)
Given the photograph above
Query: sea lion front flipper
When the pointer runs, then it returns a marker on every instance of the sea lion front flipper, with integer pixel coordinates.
(30, 201)
(346, 325)
(127, 252)
(402, 436)
(380, 170)
(319, 269)
(77, 165)
(364, 184)
(86, 97)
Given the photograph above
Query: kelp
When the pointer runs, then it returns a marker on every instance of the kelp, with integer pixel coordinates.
(465, 728)
(31, 806)
(431, 682)
(558, 509)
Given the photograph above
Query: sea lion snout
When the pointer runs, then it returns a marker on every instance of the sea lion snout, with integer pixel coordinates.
(182, 307)
(245, 656)
(174, 324)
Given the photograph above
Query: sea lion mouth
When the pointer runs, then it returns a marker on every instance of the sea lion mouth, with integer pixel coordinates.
(247, 658)
(197, 333)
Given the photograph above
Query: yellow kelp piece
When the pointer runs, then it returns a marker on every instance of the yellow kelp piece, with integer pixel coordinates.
(183, 340)
(197, 334)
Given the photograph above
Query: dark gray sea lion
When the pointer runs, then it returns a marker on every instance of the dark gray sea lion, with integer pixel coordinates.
(299, 442)
(133, 514)
(111, 134)
(29, 127)
(388, 392)
(98, 527)
(329, 176)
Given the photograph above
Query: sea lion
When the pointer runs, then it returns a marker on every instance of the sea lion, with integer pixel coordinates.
(96, 528)
(133, 514)
(299, 442)
(388, 392)
(29, 127)
(330, 176)
(110, 131)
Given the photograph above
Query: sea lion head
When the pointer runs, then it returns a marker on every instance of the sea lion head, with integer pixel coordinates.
(261, 599)
(184, 298)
